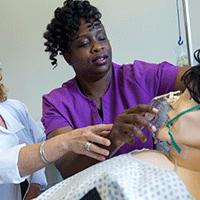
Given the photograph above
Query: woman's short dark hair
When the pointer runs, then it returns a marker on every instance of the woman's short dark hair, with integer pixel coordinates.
(3, 91)
(191, 78)
(65, 25)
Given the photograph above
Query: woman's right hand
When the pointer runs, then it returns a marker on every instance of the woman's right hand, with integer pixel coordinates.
(77, 139)
(128, 123)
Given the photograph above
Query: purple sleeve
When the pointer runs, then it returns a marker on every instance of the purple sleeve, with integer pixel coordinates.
(156, 79)
(167, 77)
(52, 118)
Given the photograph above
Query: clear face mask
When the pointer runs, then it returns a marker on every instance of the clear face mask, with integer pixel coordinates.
(160, 102)
(175, 118)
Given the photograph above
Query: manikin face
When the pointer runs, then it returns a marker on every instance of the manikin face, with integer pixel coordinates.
(186, 129)
(90, 53)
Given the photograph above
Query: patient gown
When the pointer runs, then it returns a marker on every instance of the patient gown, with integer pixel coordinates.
(122, 177)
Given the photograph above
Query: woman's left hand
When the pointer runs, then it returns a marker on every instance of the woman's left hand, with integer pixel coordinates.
(92, 137)
(33, 191)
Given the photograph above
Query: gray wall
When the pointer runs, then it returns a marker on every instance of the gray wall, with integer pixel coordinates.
(137, 29)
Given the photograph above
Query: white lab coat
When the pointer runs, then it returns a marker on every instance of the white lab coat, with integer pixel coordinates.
(21, 131)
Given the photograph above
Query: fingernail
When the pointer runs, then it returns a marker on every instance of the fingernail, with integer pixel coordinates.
(107, 153)
(153, 128)
(108, 143)
(103, 158)
(155, 110)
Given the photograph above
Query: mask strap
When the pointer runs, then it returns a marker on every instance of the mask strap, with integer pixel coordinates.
(169, 122)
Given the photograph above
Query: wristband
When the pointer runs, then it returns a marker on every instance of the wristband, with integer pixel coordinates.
(42, 154)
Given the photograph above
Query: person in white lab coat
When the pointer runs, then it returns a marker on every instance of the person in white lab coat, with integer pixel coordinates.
(24, 152)
(20, 130)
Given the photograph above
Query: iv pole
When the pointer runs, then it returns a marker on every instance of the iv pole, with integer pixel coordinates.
(188, 32)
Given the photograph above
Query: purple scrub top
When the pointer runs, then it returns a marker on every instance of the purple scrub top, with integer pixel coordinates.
(131, 84)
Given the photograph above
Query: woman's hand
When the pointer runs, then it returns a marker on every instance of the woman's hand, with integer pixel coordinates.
(33, 191)
(78, 138)
(129, 123)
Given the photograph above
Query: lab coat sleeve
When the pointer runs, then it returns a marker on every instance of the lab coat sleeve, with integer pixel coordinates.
(35, 134)
(39, 177)
(38, 136)
(9, 172)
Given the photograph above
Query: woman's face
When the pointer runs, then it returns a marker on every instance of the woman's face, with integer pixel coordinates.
(185, 129)
(90, 52)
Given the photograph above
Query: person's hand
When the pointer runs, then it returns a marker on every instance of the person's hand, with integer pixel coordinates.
(129, 123)
(33, 191)
(91, 135)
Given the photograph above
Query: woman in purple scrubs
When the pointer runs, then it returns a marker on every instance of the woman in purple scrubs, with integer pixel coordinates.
(102, 91)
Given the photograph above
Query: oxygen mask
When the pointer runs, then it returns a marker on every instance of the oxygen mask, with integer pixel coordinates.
(160, 102)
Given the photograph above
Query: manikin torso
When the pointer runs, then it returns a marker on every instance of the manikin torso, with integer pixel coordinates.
(190, 178)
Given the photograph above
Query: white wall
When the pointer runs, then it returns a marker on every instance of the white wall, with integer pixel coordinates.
(137, 29)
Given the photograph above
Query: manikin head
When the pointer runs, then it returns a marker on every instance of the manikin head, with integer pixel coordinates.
(183, 126)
